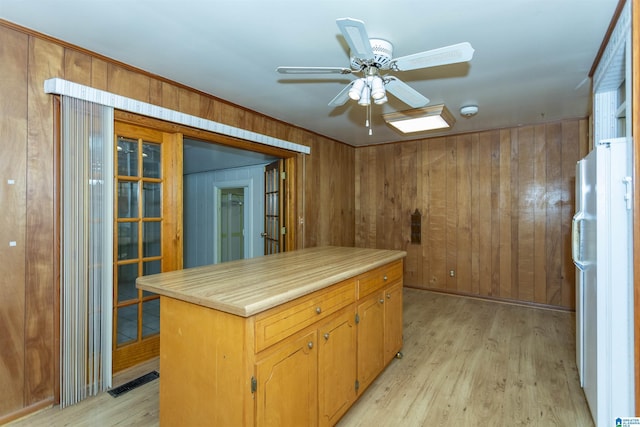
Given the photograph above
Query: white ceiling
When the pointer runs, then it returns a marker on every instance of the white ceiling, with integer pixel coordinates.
(530, 63)
(200, 156)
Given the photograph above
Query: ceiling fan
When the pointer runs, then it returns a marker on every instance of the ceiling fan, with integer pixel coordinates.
(370, 57)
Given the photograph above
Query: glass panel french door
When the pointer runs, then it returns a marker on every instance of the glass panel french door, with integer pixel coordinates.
(273, 208)
(143, 223)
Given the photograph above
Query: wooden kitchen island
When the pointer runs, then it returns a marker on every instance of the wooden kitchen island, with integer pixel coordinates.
(290, 339)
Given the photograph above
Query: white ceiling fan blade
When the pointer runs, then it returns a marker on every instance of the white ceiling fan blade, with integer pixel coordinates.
(460, 52)
(356, 36)
(313, 70)
(405, 93)
(342, 97)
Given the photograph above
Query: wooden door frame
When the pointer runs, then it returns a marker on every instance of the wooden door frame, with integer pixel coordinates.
(292, 162)
(140, 350)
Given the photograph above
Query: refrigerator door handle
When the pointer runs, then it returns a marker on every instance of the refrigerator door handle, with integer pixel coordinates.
(576, 239)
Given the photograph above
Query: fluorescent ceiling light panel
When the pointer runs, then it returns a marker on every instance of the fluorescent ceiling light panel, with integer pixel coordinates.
(421, 119)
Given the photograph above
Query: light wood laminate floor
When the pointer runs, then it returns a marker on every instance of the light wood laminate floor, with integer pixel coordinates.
(466, 362)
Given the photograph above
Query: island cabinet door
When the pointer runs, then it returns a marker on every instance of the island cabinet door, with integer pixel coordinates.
(392, 321)
(370, 339)
(336, 366)
(287, 383)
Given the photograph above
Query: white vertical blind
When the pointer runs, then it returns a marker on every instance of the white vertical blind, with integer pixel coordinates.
(87, 249)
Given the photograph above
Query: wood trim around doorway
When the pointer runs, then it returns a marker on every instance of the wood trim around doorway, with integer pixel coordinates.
(292, 161)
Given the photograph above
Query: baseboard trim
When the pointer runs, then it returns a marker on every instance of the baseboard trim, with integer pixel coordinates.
(496, 299)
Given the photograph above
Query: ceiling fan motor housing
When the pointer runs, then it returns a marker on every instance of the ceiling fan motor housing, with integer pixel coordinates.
(382, 55)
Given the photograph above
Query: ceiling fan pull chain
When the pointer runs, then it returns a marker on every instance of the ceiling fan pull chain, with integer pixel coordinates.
(369, 119)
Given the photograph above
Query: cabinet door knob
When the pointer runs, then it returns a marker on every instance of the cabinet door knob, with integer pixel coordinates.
(310, 344)
(384, 278)
(381, 301)
(318, 310)
(388, 296)
(326, 336)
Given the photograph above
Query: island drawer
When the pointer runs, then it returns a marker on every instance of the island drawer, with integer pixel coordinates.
(377, 278)
(280, 322)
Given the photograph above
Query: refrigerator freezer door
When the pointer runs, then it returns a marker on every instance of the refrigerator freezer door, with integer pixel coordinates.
(604, 294)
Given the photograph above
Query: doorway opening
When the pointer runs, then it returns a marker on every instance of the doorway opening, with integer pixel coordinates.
(224, 204)
(233, 221)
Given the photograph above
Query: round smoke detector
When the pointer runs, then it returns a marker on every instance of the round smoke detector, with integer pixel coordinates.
(382, 54)
(469, 110)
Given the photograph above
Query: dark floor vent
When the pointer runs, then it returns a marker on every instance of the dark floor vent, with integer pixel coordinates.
(120, 390)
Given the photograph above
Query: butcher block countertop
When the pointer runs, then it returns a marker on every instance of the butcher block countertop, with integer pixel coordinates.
(250, 286)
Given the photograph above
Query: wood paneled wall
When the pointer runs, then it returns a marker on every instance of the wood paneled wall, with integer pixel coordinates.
(29, 284)
(329, 180)
(496, 210)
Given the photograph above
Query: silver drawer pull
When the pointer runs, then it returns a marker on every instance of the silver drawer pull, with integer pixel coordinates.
(318, 310)
(310, 345)
(388, 296)
(326, 336)
(384, 278)
(381, 301)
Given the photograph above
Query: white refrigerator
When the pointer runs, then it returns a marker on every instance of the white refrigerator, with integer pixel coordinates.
(602, 253)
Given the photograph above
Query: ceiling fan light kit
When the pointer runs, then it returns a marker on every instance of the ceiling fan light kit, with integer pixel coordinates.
(369, 56)
(431, 118)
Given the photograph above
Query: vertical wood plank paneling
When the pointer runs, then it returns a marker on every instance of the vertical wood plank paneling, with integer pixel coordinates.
(189, 102)
(99, 74)
(326, 191)
(330, 193)
(505, 215)
(437, 230)
(496, 206)
(155, 92)
(570, 153)
(495, 213)
(372, 177)
(540, 214)
(399, 222)
(554, 250)
(359, 198)
(170, 96)
(327, 212)
(464, 207)
(475, 214)
(46, 60)
(408, 169)
(515, 202)
(451, 221)
(424, 196)
(128, 83)
(13, 184)
(77, 67)
(313, 205)
(382, 205)
(484, 213)
(526, 217)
